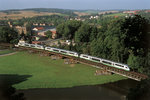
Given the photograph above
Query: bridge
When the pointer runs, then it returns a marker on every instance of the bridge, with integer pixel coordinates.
(129, 74)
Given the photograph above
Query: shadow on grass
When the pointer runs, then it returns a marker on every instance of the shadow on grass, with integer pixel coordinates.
(7, 92)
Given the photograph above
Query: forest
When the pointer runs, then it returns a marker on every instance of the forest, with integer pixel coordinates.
(121, 40)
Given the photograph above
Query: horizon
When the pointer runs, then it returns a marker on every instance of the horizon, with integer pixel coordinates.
(75, 4)
(75, 9)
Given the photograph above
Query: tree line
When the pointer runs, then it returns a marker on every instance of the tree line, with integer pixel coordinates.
(124, 40)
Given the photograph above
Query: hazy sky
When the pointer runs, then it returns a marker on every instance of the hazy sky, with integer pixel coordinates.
(75, 4)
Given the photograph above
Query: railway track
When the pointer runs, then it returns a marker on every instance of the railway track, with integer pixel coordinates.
(130, 74)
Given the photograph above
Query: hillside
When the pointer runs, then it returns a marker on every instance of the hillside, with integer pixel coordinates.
(26, 13)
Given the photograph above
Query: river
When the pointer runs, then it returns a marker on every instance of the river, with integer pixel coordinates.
(111, 91)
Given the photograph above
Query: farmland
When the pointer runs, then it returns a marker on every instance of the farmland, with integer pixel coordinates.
(23, 14)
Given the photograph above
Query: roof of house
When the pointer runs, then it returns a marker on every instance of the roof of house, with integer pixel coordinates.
(36, 42)
(39, 28)
(53, 32)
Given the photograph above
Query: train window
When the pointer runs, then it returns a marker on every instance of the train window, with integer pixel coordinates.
(63, 51)
(55, 50)
(119, 65)
(85, 56)
(72, 53)
(38, 46)
(32, 45)
(48, 48)
(107, 62)
(26, 45)
(95, 59)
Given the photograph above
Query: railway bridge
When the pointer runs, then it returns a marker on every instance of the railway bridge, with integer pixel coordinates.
(129, 74)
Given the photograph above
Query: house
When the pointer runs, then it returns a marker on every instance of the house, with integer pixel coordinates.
(21, 29)
(41, 33)
(54, 34)
(35, 24)
(38, 28)
(36, 42)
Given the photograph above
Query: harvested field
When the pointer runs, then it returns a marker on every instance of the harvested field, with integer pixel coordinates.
(21, 14)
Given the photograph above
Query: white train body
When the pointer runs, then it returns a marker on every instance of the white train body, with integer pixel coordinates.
(66, 52)
(75, 54)
(105, 62)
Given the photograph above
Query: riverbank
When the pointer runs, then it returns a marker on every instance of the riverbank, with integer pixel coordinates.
(43, 72)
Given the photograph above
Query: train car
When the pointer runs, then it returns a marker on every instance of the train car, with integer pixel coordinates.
(122, 66)
(95, 59)
(62, 51)
(55, 50)
(27, 45)
(39, 47)
(21, 44)
(84, 56)
(32, 45)
(48, 48)
(71, 53)
(105, 62)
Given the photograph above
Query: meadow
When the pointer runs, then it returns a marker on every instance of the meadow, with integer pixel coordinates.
(115, 14)
(47, 73)
(5, 52)
(23, 14)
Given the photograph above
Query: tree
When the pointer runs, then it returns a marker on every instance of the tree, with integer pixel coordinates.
(109, 43)
(8, 35)
(83, 34)
(48, 34)
(137, 33)
(67, 30)
(60, 30)
(139, 91)
(93, 34)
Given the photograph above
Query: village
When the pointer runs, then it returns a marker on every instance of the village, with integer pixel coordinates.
(39, 34)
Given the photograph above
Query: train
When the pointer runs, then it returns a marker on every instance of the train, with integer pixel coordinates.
(76, 54)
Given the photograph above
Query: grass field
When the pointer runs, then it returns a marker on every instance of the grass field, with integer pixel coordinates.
(47, 73)
(21, 14)
(116, 14)
(5, 52)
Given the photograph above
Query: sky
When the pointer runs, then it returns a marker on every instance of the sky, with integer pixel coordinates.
(76, 4)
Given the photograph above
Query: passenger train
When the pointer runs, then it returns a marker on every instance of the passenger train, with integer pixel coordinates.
(75, 54)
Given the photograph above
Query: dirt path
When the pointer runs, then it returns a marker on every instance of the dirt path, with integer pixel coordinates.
(8, 54)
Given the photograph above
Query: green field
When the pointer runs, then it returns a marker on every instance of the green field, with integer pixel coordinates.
(5, 52)
(47, 73)
(115, 14)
